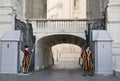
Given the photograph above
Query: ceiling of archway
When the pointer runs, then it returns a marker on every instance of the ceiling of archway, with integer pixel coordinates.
(59, 39)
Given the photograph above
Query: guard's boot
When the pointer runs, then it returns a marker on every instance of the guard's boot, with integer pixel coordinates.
(84, 73)
(90, 72)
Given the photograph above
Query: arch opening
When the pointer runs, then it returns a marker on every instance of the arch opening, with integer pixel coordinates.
(44, 53)
(66, 56)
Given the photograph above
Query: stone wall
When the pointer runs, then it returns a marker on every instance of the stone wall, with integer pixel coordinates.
(95, 8)
(35, 8)
(8, 10)
(18, 6)
(66, 9)
(66, 52)
(113, 27)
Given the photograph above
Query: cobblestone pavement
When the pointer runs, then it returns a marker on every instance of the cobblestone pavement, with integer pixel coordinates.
(57, 75)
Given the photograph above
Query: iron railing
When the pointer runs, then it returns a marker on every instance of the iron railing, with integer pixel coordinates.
(94, 24)
(97, 24)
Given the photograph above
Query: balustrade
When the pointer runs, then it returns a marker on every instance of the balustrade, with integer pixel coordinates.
(60, 25)
(66, 25)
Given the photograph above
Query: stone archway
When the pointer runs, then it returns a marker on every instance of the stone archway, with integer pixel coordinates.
(44, 52)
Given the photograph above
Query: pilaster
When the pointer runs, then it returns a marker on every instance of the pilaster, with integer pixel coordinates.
(7, 14)
(8, 10)
(113, 27)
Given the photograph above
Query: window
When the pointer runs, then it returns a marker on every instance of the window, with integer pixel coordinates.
(76, 4)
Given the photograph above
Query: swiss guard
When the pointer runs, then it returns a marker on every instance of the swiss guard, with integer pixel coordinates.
(26, 59)
(87, 64)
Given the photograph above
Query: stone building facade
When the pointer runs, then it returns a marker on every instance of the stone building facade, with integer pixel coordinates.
(113, 27)
(66, 9)
(66, 52)
(37, 9)
(96, 8)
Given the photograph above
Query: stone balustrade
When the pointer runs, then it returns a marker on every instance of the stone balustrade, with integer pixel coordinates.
(60, 25)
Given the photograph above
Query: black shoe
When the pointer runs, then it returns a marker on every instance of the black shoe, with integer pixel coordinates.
(84, 74)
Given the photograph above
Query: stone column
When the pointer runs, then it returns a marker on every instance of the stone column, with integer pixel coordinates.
(6, 16)
(8, 10)
(113, 27)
